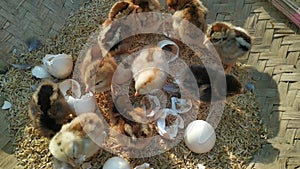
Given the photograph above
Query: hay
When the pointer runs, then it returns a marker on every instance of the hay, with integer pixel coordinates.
(239, 133)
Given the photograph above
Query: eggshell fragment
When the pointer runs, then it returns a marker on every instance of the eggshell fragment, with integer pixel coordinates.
(70, 87)
(59, 66)
(6, 105)
(200, 136)
(116, 163)
(40, 72)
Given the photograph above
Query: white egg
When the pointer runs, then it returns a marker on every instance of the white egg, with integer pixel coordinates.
(116, 163)
(200, 136)
(60, 66)
(40, 72)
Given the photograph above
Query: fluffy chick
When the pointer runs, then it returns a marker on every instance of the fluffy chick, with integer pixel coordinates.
(233, 86)
(120, 9)
(48, 109)
(97, 71)
(147, 5)
(73, 144)
(230, 42)
(192, 11)
(111, 38)
(149, 70)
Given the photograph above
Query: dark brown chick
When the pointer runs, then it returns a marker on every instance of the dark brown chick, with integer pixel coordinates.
(147, 5)
(233, 86)
(231, 42)
(49, 110)
(192, 11)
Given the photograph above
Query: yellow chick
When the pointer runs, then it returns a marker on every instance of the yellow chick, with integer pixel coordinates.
(230, 42)
(78, 140)
(97, 71)
(48, 109)
(149, 70)
(192, 11)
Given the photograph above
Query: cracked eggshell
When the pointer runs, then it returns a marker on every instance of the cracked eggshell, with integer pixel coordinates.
(200, 136)
(70, 87)
(87, 103)
(59, 66)
(171, 47)
(116, 163)
(40, 72)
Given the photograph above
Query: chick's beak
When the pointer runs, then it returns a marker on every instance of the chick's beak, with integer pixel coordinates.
(136, 94)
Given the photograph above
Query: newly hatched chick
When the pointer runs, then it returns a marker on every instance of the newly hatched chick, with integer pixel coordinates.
(120, 9)
(97, 71)
(48, 109)
(233, 86)
(111, 38)
(149, 70)
(78, 140)
(230, 42)
(147, 5)
(192, 11)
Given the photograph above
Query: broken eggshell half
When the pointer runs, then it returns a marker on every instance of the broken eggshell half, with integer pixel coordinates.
(171, 47)
(59, 66)
(169, 132)
(80, 104)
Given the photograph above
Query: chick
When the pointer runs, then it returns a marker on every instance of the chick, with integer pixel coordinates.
(97, 71)
(78, 140)
(192, 11)
(112, 38)
(48, 109)
(230, 42)
(233, 86)
(147, 5)
(120, 9)
(149, 70)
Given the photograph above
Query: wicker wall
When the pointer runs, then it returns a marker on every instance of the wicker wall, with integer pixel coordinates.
(20, 19)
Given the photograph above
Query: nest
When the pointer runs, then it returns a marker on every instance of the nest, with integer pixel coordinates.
(239, 134)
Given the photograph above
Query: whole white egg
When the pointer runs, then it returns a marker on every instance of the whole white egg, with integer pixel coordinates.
(199, 136)
(116, 163)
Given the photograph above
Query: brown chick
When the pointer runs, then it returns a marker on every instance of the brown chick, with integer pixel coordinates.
(48, 109)
(233, 86)
(97, 71)
(230, 42)
(120, 9)
(192, 11)
(147, 5)
(111, 38)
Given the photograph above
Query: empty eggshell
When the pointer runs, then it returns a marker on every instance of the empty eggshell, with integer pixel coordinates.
(70, 87)
(116, 163)
(200, 136)
(60, 65)
(87, 103)
(40, 72)
(171, 46)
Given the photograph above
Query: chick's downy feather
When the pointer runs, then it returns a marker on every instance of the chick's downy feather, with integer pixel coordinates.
(230, 42)
(78, 140)
(48, 109)
(192, 11)
(149, 70)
